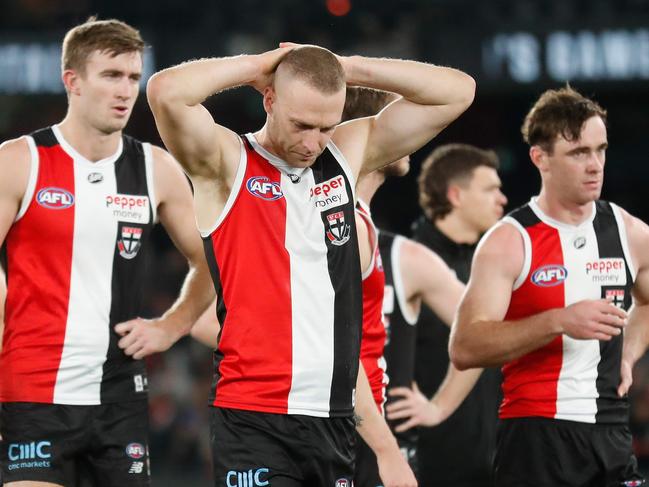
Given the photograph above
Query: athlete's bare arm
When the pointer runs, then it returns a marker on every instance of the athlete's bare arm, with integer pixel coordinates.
(207, 151)
(393, 468)
(480, 337)
(427, 278)
(15, 162)
(207, 327)
(143, 337)
(431, 98)
(636, 334)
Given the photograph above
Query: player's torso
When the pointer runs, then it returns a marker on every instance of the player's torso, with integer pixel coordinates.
(568, 378)
(75, 264)
(284, 259)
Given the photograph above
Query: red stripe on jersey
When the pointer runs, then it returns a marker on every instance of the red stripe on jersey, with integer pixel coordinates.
(39, 256)
(374, 335)
(256, 283)
(530, 382)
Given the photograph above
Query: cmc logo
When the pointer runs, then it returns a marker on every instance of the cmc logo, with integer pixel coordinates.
(29, 451)
(549, 275)
(251, 478)
(135, 450)
(264, 188)
(55, 198)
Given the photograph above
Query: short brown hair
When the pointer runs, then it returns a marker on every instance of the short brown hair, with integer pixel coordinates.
(112, 36)
(561, 112)
(365, 102)
(317, 66)
(448, 164)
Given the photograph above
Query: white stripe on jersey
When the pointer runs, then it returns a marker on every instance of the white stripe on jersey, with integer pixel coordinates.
(395, 256)
(577, 385)
(93, 249)
(33, 178)
(312, 319)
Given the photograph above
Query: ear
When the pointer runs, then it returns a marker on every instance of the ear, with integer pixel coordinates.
(269, 99)
(539, 158)
(71, 81)
(454, 195)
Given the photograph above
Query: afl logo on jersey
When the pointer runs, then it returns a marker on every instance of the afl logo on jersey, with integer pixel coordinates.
(55, 198)
(135, 450)
(264, 188)
(549, 275)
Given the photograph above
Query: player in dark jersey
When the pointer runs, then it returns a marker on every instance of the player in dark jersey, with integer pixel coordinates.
(287, 272)
(413, 274)
(549, 299)
(460, 196)
(77, 203)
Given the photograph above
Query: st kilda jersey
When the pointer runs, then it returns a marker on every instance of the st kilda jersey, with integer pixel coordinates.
(75, 268)
(569, 379)
(285, 263)
(373, 338)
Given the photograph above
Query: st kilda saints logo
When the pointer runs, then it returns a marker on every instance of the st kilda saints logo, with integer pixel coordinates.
(130, 242)
(338, 232)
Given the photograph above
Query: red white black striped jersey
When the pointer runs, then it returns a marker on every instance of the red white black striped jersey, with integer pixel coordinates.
(569, 379)
(285, 263)
(75, 268)
(373, 339)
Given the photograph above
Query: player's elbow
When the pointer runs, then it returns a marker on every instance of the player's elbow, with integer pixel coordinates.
(459, 353)
(466, 88)
(159, 90)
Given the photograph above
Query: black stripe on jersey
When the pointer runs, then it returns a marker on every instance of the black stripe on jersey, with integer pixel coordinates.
(125, 378)
(525, 216)
(221, 309)
(399, 351)
(610, 408)
(345, 273)
(44, 137)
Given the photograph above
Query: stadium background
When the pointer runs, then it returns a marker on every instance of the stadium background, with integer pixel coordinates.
(513, 48)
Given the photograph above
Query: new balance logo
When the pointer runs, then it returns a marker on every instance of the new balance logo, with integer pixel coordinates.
(251, 478)
(136, 467)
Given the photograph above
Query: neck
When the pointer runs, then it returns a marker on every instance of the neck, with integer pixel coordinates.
(368, 185)
(457, 229)
(564, 211)
(88, 141)
(265, 140)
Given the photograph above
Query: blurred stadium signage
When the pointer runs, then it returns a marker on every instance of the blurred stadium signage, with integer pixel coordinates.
(587, 55)
(35, 68)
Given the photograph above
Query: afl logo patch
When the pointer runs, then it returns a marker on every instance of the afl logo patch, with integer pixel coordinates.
(264, 188)
(55, 198)
(549, 275)
(135, 450)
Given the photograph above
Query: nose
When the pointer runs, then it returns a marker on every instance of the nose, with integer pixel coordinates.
(502, 199)
(312, 141)
(595, 163)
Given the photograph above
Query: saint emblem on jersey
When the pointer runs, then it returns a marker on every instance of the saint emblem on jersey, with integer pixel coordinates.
(262, 187)
(130, 242)
(55, 198)
(616, 295)
(339, 232)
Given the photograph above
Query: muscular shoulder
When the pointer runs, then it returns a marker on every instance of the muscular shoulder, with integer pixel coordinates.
(638, 237)
(501, 248)
(15, 163)
(168, 175)
(416, 257)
